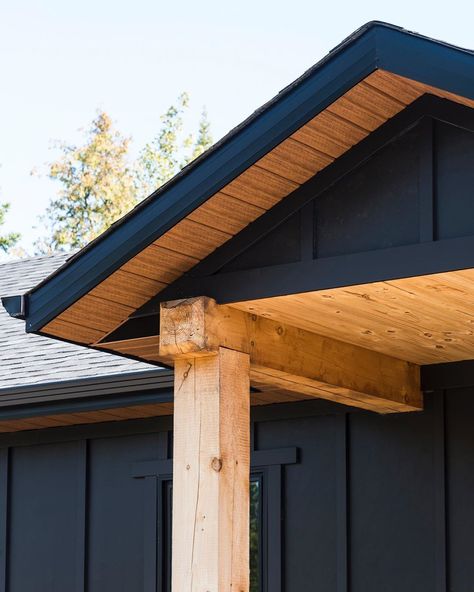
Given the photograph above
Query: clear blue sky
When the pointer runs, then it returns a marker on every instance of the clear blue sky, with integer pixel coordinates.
(61, 61)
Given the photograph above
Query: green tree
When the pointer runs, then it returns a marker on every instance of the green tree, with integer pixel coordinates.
(99, 182)
(7, 241)
(171, 149)
(97, 187)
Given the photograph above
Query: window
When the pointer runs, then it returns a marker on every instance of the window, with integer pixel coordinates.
(255, 533)
(265, 519)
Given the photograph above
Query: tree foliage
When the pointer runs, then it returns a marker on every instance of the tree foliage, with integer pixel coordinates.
(99, 182)
(97, 187)
(7, 241)
(171, 149)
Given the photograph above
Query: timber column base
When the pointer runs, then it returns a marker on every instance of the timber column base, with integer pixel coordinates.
(211, 473)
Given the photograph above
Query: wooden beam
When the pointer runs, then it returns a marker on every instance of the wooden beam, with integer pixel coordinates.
(291, 358)
(211, 470)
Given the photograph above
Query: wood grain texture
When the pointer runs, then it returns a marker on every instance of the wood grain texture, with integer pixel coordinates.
(260, 187)
(295, 161)
(193, 239)
(129, 289)
(211, 471)
(96, 313)
(291, 358)
(344, 123)
(424, 320)
(78, 333)
(226, 213)
(145, 348)
(85, 417)
(160, 264)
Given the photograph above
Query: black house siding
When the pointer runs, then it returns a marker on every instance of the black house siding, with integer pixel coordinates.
(415, 187)
(373, 503)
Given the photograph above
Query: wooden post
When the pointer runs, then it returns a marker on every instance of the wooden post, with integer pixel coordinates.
(211, 471)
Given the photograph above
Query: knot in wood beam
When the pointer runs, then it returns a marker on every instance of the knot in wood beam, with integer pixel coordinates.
(289, 358)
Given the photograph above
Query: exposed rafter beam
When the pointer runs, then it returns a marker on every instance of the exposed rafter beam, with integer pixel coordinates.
(290, 358)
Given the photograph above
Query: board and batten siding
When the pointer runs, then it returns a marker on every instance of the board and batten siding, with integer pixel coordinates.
(373, 502)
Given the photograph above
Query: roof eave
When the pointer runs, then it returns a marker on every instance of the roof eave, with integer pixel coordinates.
(374, 46)
(15, 306)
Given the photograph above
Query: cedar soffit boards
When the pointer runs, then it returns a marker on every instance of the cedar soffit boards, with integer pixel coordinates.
(364, 82)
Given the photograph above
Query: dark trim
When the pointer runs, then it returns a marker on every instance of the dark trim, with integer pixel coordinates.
(448, 375)
(308, 408)
(141, 327)
(374, 45)
(15, 306)
(273, 486)
(151, 468)
(150, 534)
(332, 272)
(4, 501)
(87, 404)
(153, 534)
(342, 543)
(436, 63)
(81, 515)
(81, 387)
(108, 429)
(271, 457)
(165, 500)
(439, 464)
(426, 182)
(307, 240)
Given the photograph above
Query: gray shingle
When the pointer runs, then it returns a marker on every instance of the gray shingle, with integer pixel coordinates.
(27, 359)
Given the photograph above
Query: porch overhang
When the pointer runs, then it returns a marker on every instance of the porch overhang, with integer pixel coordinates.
(108, 295)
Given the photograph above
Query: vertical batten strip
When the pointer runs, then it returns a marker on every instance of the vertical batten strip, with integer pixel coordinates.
(211, 473)
(81, 515)
(440, 492)
(307, 235)
(4, 473)
(426, 182)
(341, 500)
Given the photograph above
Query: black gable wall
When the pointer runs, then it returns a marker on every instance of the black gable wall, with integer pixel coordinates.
(454, 175)
(388, 208)
(416, 186)
(281, 245)
(375, 206)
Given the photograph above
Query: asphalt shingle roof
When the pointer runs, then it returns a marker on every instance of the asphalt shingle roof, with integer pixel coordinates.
(27, 359)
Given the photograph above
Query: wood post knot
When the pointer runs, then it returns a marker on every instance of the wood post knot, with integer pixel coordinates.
(216, 464)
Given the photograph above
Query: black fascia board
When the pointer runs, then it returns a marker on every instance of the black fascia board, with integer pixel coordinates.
(153, 380)
(15, 306)
(84, 404)
(426, 60)
(447, 375)
(376, 45)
